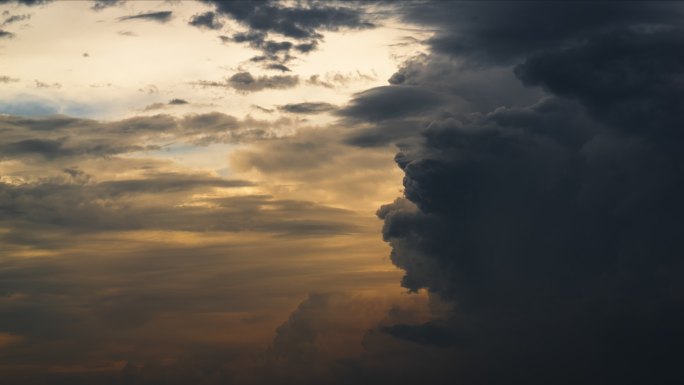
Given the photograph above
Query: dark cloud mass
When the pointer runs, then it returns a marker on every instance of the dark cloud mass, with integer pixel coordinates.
(553, 228)
(162, 16)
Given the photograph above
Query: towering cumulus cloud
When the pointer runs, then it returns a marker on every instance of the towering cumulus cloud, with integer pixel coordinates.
(546, 207)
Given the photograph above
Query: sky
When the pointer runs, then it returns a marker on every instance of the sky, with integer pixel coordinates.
(320, 192)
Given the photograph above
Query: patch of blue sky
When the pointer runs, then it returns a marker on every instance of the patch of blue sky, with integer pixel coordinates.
(34, 106)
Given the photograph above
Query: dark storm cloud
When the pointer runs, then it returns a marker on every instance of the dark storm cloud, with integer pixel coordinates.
(162, 16)
(553, 227)
(308, 108)
(338, 79)
(6, 34)
(254, 39)
(631, 79)
(504, 32)
(246, 82)
(206, 20)
(480, 88)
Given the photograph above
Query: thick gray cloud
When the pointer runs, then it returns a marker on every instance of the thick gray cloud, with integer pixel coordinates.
(630, 80)
(551, 226)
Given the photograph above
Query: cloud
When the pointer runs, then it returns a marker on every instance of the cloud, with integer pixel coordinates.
(6, 34)
(40, 84)
(484, 34)
(315, 163)
(298, 21)
(308, 108)
(16, 18)
(162, 16)
(550, 226)
(246, 82)
(26, 2)
(178, 101)
(278, 67)
(207, 20)
(389, 102)
(75, 203)
(8, 79)
(338, 79)
(102, 4)
(275, 52)
(127, 33)
(306, 47)
(65, 137)
(624, 79)
(28, 106)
